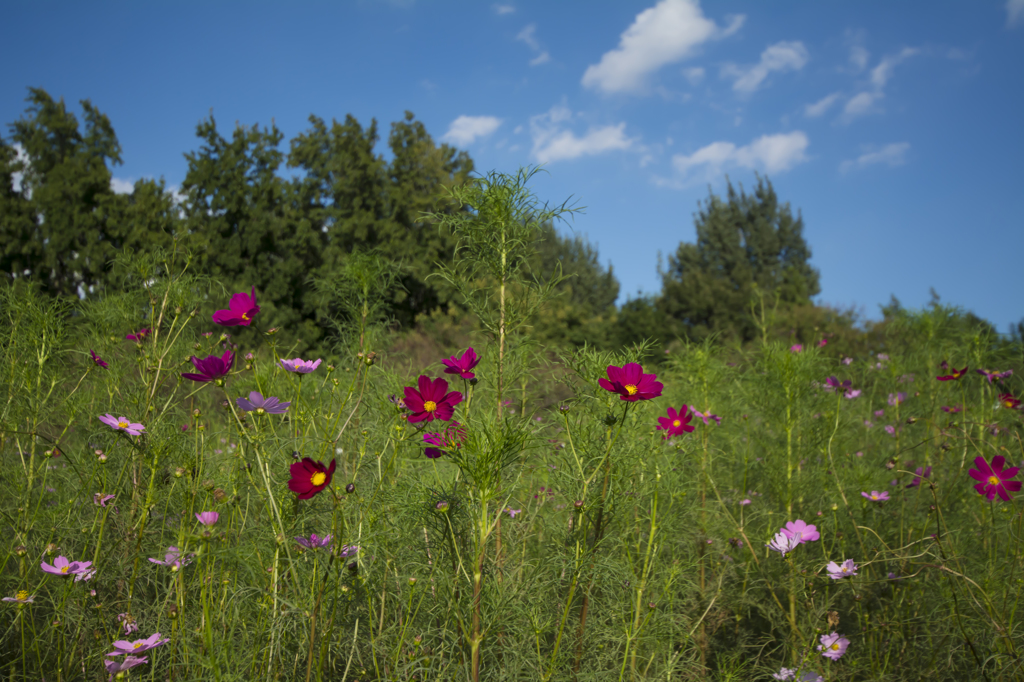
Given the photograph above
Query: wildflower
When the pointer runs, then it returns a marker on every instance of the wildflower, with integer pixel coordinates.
(676, 423)
(512, 512)
(314, 541)
(97, 359)
(890, 429)
(462, 365)
(847, 361)
(300, 366)
(242, 308)
(121, 647)
(796, 348)
(897, 398)
(61, 566)
(347, 551)
(884, 357)
(309, 477)
(441, 506)
(954, 375)
(122, 424)
(783, 543)
(893, 576)
(868, 423)
(833, 646)
(452, 436)
(744, 503)
(850, 395)
(995, 376)
(631, 383)
(173, 559)
(138, 336)
(844, 570)
(993, 479)
(880, 413)
(211, 367)
(100, 500)
(432, 400)
(833, 384)
(952, 410)
(207, 518)
(128, 662)
(876, 496)
(822, 343)
(21, 597)
(128, 623)
(801, 531)
(86, 574)
(260, 405)
(1008, 401)
(707, 416)
(920, 473)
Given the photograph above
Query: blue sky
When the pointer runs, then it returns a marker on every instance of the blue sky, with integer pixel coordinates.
(894, 127)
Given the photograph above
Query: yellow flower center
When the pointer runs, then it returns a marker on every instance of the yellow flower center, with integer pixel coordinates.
(122, 425)
(993, 480)
(22, 595)
(137, 645)
(834, 647)
(845, 569)
(260, 410)
(676, 423)
(64, 569)
(874, 496)
(429, 405)
(245, 316)
(630, 389)
(318, 478)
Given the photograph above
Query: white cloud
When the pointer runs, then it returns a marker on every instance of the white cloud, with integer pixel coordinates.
(1014, 11)
(502, 10)
(466, 129)
(542, 58)
(664, 34)
(782, 56)
(860, 104)
(527, 36)
(859, 57)
(553, 142)
(695, 75)
(822, 105)
(517, 130)
(892, 155)
(881, 74)
(22, 156)
(122, 185)
(773, 153)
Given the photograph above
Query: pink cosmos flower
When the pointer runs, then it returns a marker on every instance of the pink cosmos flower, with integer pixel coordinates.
(890, 429)
(822, 343)
(783, 543)
(707, 417)
(993, 479)
(450, 438)
(631, 383)
(921, 472)
(897, 398)
(676, 423)
(242, 308)
(952, 410)
(995, 376)
(61, 566)
(260, 405)
(138, 336)
(432, 400)
(875, 496)
(207, 518)
(100, 500)
(796, 348)
(847, 361)
(314, 541)
(211, 368)
(801, 531)
(462, 365)
(309, 477)
(97, 359)
(173, 559)
(128, 623)
(85, 575)
(744, 503)
(844, 570)
(122, 424)
(850, 395)
(833, 384)
(954, 375)
(833, 646)
(300, 366)
(21, 597)
(512, 512)
(121, 647)
(128, 662)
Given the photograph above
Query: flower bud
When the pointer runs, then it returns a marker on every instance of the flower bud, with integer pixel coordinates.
(179, 472)
(442, 506)
(102, 459)
(610, 419)
(412, 582)
(51, 549)
(196, 412)
(48, 454)
(330, 368)
(272, 331)
(20, 550)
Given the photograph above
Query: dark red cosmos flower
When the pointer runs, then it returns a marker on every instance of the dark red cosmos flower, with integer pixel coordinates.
(462, 365)
(450, 437)
(211, 367)
(309, 477)
(631, 383)
(138, 336)
(676, 423)
(432, 401)
(993, 479)
(956, 374)
(1008, 401)
(242, 309)
(98, 360)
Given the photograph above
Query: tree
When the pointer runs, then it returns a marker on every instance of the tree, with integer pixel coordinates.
(750, 252)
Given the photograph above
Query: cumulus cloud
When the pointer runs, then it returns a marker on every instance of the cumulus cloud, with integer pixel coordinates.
(552, 141)
(122, 185)
(1014, 12)
(466, 129)
(782, 56)
(772, 153)
(664, 34)
(860, 104)
(891, 155)
(502, 10)
(528, 37)
(822, 105)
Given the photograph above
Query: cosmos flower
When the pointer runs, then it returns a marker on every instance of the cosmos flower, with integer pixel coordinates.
(97, 359)
(954, 374)
(676, 423)
(707, 417)
(801, 531)
(631, 383)
(850, 395)
(995, 376)
(462, 365)
(432, 400)
(300, 366)
(921, 472)
(512, 512)
(796, 348)
(783, 543)
(121, 647)
(21, 597)
(952, 410)
(128, 662)
(451, 437)
(833, 646)
(897, 398)
(260, 405)
(207, 518)
(211, 367)
(61, 566)
(847, 361)
(309, 477)
(1008, 401)
(138, 336)
(876, 496)
(242, 308)
(173, 559)
(122, 424)
(833, 384)
(100, 500)
(314, 541)
(993, 479)
(844, 570)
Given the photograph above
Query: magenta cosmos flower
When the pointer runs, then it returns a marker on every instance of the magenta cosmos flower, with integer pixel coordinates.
(207, 518)
(122, 424)
(432, 400)
(631, 383)
(211, 367)
(796, 348)
(876, 496)
(833, 646)
(844, 570)
(450, 438)
(833, 384)
(241, 309)
(707, 417)
(314, 541)
(128, 662)
(921, 472)
(954, 374)
(801, 531)
(174, 559)
(676, 423)
(122, 647)
(1008, 401)
(97, 359)
(61, 566)
(993, 479)
(300, 366)
(995, 376)
(260, 405)
(138, 336)
(462, 365)
(309, 477)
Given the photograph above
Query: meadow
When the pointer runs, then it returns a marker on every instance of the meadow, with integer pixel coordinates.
(183, 499)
